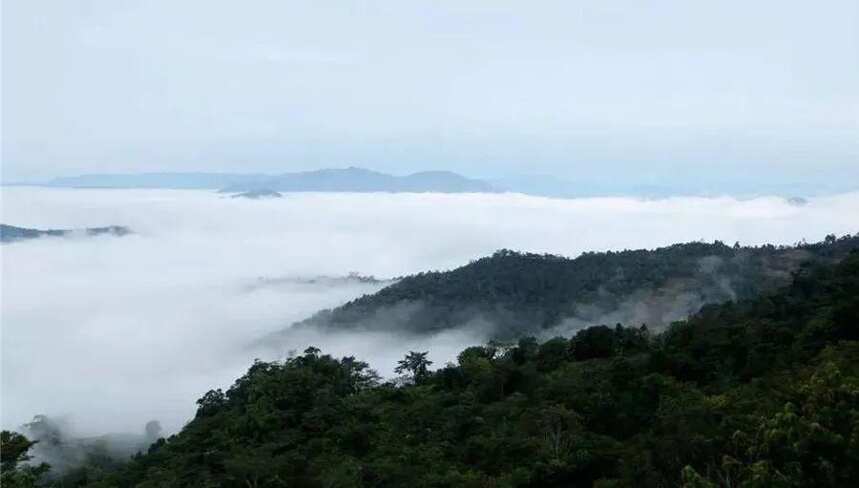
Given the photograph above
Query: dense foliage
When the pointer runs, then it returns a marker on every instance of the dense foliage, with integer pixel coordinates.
(15, 471)
(519, 294)
(754, 393)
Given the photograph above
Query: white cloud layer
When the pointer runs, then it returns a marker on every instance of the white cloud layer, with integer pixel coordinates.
(113, 332)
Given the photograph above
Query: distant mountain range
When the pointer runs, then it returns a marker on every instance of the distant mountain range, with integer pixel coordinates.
(325, 180)
(353, 179)
(11, 233)
(363, 180)
(510, 294)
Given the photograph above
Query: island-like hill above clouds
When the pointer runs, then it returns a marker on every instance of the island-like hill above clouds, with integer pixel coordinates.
(354, 179)
(258, 194)
(363, 180)
(350, 179)
(510, 294)
(11, 233)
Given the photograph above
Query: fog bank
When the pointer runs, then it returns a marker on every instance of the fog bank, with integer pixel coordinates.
(111, 332)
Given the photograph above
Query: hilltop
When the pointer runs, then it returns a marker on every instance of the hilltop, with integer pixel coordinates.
(511, 294)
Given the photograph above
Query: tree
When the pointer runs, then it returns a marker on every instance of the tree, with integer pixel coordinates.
(359, 376)
(415, 363)
(152, 430)
(211, 403)
(594, 342)
(559, 424)
(552, 353)
(14, 449)
(13, 452)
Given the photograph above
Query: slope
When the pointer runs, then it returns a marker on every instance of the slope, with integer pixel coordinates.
(761, 392)
(512, 294)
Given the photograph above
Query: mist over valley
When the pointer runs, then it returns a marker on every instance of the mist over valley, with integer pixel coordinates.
(131, 329)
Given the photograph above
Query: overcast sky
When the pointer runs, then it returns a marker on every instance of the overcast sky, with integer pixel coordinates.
(591, 90)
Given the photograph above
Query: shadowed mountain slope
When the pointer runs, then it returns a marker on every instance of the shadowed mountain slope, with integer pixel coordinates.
(511, 294)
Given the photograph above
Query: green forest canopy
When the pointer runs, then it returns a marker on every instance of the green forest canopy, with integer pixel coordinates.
(523, 294)
(754, 393)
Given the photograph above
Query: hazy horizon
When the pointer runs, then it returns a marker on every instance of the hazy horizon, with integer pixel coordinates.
(535, 184)
(612, 92)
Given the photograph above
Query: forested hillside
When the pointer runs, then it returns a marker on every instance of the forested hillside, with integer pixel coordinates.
(514, 294)
(756, 393)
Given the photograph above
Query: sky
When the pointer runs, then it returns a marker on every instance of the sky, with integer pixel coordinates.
(650, 91)
(111, 332)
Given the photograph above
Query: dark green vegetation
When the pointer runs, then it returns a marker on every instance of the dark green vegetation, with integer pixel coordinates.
(10, 233)
(512, 294)
(15, 468)
(753, 393)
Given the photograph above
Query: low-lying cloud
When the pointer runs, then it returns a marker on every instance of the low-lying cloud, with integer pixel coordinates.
(110, 332)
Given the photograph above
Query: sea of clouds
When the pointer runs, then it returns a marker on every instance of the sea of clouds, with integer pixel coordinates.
(110, 332)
